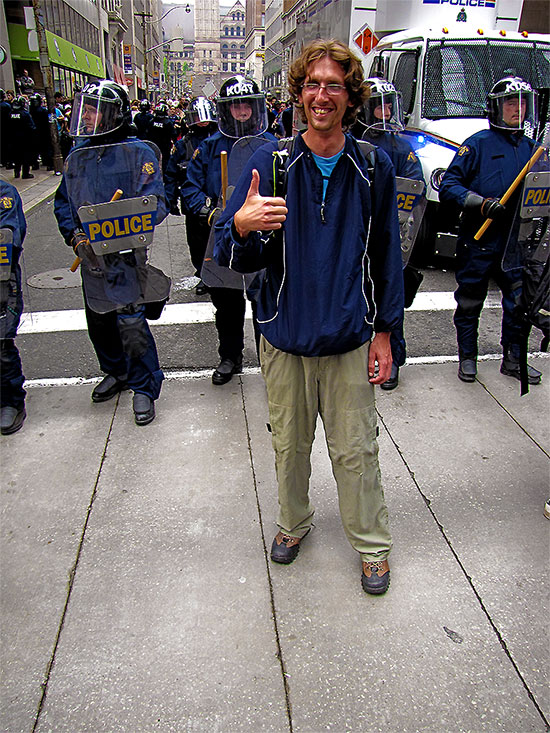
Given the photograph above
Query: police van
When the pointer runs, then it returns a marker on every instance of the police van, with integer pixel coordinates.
(444, 72)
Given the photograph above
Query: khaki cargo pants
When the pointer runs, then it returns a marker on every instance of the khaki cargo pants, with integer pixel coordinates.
(337, 388)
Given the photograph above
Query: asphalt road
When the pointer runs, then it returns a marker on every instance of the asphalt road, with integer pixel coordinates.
(193, 346)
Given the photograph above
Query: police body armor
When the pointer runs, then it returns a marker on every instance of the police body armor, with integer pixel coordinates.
(117, 194)
(212, 274)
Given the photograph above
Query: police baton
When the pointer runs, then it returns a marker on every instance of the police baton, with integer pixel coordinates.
(74, 267)
(521, 175)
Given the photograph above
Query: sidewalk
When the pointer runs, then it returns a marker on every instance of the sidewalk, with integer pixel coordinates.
(33, 191)
(137, 594)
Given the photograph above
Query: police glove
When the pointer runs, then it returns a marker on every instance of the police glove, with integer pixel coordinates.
(205, 213)
(81, 247)
(174, 209)
(492, 209)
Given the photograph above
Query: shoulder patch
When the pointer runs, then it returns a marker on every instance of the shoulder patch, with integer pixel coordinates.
(412, 157)
(195, 154)
(148, 168)
(463, 150)
(6, 202)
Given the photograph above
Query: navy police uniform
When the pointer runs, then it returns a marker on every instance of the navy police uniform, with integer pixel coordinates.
(12, 394)
(122, 339)
(486, 163)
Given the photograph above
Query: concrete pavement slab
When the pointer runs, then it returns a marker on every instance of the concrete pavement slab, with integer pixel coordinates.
(486, 481)
(170, 622)
(49, 471)
(423, 657)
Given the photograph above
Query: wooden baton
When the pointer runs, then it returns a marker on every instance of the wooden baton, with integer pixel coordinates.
(519, 178)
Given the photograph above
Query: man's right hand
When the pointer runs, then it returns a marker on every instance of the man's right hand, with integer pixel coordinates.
(259, 213)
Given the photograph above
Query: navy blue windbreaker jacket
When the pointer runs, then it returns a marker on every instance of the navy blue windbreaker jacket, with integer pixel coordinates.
(336, 275)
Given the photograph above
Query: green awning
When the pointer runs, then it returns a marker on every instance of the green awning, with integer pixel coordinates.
(60, 52)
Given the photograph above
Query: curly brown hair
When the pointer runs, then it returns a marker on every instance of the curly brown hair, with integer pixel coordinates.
(358, 91)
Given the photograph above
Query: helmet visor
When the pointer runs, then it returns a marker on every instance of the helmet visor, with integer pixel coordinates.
(242, 116)
(94, 115)
(516, 111)
(383, 112)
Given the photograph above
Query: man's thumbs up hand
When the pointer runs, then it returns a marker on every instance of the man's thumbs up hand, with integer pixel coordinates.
(259, 213)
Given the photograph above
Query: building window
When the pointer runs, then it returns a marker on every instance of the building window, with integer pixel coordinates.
(233, 67)
(224, 67)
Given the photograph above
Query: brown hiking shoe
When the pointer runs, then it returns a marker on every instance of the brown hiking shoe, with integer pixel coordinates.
(376, 577)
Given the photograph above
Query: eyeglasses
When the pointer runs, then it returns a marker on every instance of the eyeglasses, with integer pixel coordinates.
(333, 90)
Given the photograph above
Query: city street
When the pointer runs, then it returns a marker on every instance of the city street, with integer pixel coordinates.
(136, 589)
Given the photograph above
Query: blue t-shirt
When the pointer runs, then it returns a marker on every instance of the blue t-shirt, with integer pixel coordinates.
(326, 166)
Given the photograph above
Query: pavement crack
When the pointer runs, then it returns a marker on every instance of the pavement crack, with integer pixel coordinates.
(471, 583)
(72, 575)
(520, 426)
(279, 654)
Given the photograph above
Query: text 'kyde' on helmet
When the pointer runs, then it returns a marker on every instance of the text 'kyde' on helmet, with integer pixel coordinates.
(19, 103)
(99, 109)
(200, 109)
(241, 108)
(144, 105)
(512, 104)
(382, 111)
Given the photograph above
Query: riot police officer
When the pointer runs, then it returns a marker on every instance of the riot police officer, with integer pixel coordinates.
(162, 132)
(21, 134)
(200, 117)
(241, 111)
(122, 339)
(143, 118)
(41, 120)
(478, 176)
(13, 228)
(380, 122)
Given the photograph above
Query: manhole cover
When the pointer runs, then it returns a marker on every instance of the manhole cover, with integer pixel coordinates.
(55, 279)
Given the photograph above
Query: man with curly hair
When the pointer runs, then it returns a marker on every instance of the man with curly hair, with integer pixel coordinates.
(331, 295)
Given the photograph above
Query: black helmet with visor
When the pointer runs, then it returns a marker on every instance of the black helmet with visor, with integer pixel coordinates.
(241, 108)
(99, 109)
(200, 109)
(382, 111)
(512, 105)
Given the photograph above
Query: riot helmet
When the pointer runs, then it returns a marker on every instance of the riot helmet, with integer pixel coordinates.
(2, 95)
(241, 108)
(200, 109)
(512, 104)
(99, 109)
(144, 105)
(382, 111)
(161, 110)
(35, 100)
(19, 103)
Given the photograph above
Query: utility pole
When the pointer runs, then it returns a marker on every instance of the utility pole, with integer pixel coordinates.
(47, 80)
(144, 15)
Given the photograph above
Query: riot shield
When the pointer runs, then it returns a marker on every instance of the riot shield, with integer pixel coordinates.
(529, 234)
(411, 204)
(116, 196)
(212, 274)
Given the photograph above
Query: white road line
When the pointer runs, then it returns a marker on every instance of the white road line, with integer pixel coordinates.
(188, 374)
(202, 312)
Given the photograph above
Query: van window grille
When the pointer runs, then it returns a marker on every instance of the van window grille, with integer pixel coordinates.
(459, 74)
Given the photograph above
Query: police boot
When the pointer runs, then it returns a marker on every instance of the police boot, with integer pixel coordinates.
(109, 387)
(144, 409)
(225, 370)
(510, 366)
(11, 419)
(467, 368)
